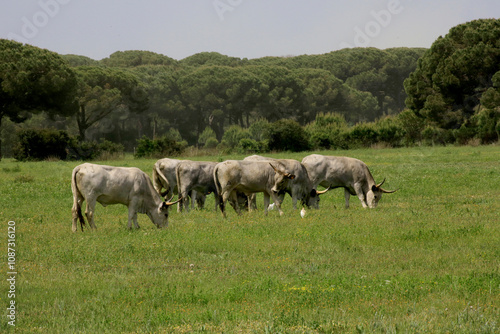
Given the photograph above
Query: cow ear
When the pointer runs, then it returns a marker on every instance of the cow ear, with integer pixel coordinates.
(375, 188)
(313, 193)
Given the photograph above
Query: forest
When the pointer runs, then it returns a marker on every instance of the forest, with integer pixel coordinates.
(148, 103)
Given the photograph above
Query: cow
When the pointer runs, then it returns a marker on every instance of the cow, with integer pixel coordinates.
(250, 177)
(198, 176)
(343, 172)
(116, 185)
(164, 177)
(300, 188)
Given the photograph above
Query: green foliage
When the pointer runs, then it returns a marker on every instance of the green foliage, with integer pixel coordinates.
(362, 135)
(288, 135)
(233, 135)
(158, 148)
(41, 144)
(327, 131)
(453, 75)
(134, 58)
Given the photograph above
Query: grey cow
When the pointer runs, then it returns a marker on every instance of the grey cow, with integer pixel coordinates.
(116, 185)
(164, 177)
(198, 176)
(301, 187)
(343, 172)
(250, 177)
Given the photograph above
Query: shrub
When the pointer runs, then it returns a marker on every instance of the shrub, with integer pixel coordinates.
(207, 135)
(327, 131)
(247, 145)
(40, 144)
(363, 134)
(288, 135)
(389, 131)
(487, 121)
(233, 135)
(158, 148)
(433, 135)
(92, 150)
(211, 142)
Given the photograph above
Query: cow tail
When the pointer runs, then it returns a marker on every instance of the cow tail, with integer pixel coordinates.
(76, 194)
(218, 187)
(159, 180)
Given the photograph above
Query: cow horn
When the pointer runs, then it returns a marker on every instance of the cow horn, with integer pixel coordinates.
(172, 203)
(322, 191)
(275, 169)
(380, 184)
(388, 191)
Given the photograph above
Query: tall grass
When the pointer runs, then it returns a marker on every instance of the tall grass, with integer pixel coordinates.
(426, 260)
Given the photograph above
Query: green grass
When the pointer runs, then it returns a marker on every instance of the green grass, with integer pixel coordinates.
(425, 261)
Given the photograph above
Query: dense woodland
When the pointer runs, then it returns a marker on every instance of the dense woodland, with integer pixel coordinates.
(144, 100)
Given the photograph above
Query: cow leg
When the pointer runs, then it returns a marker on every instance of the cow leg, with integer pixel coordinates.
(361, 195)
(76, 212)
(276, 201)
(89, 212)
(132, 217)
(347, 195)
(225, 197)
(266, 203)
(193, 199)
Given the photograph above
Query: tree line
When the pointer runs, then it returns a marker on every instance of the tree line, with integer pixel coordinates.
(448, 93)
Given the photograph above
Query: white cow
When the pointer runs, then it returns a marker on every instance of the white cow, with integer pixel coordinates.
(196, 176)
(164, 177)
(116, 185)
(250, 177)
(300, 188)
(342, 172)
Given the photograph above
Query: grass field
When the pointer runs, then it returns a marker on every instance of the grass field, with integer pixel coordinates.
(426, 260)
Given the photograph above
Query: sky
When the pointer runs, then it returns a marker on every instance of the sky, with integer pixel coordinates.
(237, 28)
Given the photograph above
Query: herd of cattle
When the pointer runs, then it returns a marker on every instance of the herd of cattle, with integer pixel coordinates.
(235, 180)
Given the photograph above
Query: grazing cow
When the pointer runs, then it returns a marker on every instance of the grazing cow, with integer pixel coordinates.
(342, 172)
(164, 177)
(300, 188)
(198, 176)
(116, 185)
(250, 177)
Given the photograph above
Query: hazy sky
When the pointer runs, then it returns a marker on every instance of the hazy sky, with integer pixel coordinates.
(239, 28)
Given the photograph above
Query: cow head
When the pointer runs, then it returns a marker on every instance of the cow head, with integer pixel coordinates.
(375, 194)
(312, 200)
(280, 179)
(160, 215)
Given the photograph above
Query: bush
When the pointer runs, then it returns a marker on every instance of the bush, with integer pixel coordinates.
(40, 144)
(232, 136)
(389, 131)
(211, 142)
(327, 131)
(288, 135)
(247, 145)
(362, 134)
(433, 135)
(93, 150)
(158, 148)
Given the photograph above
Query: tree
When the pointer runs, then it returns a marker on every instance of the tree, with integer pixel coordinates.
(34, 80)
(102, 91)
(450, 78)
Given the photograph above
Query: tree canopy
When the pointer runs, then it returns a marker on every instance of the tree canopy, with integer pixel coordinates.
(34, 80)
(452, 77)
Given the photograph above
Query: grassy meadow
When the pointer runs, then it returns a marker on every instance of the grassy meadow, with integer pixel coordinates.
(426, 260)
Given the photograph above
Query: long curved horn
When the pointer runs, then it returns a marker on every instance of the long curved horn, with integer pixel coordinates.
(388, 191)
(276, 169)
(172, 203)
(322, 191)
